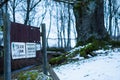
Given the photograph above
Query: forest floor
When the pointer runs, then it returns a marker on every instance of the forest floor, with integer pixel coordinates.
(105, 66)
(16, 73)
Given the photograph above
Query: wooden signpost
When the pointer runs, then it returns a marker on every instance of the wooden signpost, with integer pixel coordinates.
(7, 56)
(46, 67)
(44, 49)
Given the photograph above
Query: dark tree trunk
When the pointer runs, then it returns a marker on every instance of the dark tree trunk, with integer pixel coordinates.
(27, 13)
(90, 20)
(13, 10)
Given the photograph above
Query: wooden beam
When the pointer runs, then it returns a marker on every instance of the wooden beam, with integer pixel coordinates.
(52, 73)
(65, 1)
(7, 54)
(44, 48)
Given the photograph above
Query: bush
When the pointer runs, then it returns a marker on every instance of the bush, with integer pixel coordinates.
(56, 49)
(58, 60)
(115, 43)
(84, 52)
(33, 75)
(30, 75)
(88, 49)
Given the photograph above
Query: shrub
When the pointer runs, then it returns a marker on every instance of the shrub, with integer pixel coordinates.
(33, 75)
(58, 60)
(56, 49)
(30, 75)
(88, 49)
(84, 52)
(115, 43)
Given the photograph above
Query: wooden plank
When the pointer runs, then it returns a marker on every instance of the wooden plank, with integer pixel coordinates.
(24, 33)
(7, 56)
(53, 52)
(44, 48)
(52, 73)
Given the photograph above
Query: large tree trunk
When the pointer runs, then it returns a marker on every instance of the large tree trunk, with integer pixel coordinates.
(90, 20)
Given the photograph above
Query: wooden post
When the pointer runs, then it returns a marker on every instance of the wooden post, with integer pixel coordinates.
(7, 57)
(52, 73)
(46, 67)
(44, 49)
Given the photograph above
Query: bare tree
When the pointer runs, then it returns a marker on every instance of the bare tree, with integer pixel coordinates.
(50, 23)
(63, 21)
(110, 17)
(116, 17)
(31, 4)
(43, 14)
(89, 17)
(57, 24)
(61, 24)
(69, 28)
(3, 2)
(13, 6)
(29, 7)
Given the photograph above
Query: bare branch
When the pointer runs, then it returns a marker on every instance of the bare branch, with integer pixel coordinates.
(4, 2)
(32, 7)
(68, 1)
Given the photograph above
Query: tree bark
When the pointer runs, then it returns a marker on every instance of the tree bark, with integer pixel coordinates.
(110, 17)
(89, 17)
(69, 28)
(28, 12)
(13, 10)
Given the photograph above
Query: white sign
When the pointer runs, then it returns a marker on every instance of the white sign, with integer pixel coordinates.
(18, 50)
(38, 47)
(30, 50)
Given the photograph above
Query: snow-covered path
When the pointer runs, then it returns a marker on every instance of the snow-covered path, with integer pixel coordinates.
(105, 67)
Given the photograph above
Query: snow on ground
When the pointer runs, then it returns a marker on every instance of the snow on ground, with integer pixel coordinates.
(102, 67)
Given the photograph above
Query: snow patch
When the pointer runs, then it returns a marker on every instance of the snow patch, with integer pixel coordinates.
(105, 67)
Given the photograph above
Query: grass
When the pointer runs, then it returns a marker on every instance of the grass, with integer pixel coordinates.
(30, 75)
